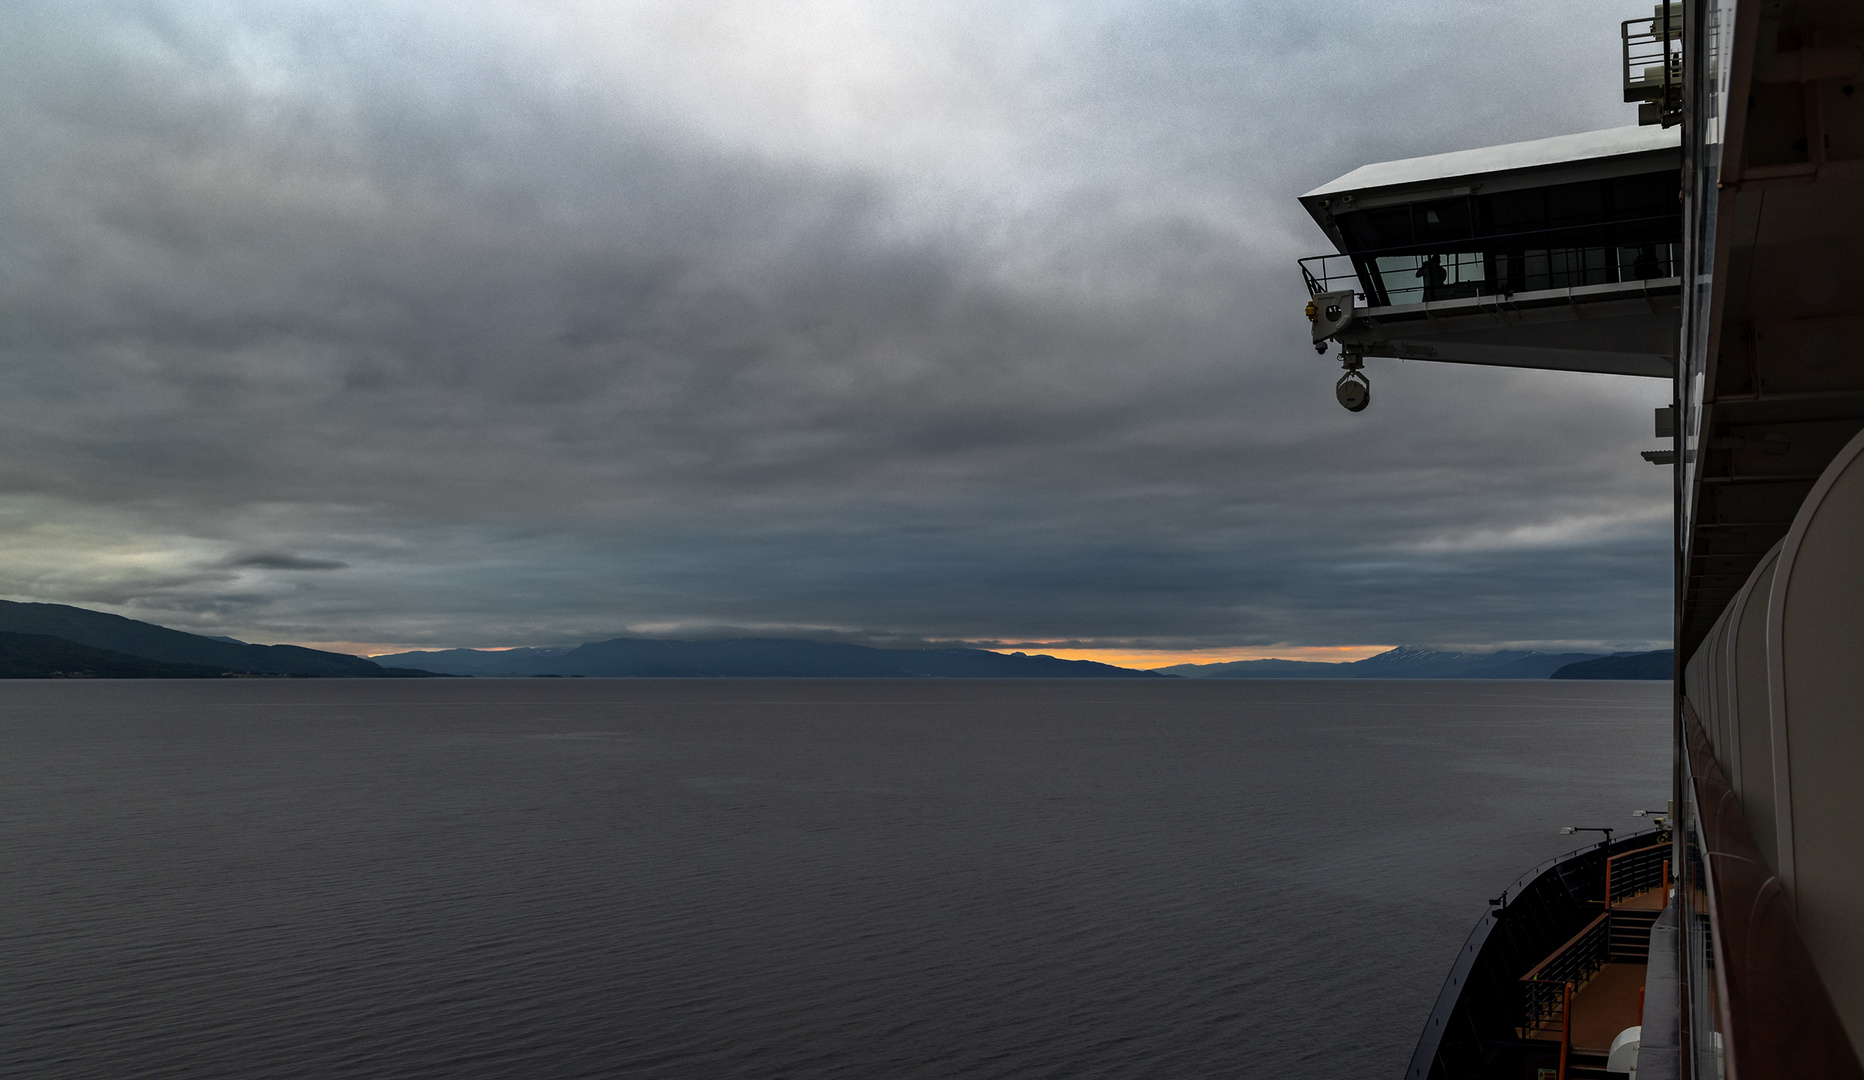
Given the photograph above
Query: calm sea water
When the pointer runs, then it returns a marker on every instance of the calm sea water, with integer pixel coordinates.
(724, 879)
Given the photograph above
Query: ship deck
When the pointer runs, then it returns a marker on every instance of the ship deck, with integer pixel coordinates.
(1610, 1002)
(1613, 999)
(1648, 900)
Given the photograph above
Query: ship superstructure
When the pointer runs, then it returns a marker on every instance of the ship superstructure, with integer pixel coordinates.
(1716, 245)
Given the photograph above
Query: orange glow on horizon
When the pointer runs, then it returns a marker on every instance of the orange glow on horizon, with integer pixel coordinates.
(1119, 656)
(354, 648)
(369, 650)
(1146, 659)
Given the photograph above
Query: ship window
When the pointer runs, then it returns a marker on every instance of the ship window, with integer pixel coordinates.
(1446, 219)
(1515, 211)
(1576, 204)
(1437, 275)
(1367, 230)
(1594, 232)
(1644, 196)
(1646, 204)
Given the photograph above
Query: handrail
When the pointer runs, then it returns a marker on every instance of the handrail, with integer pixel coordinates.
(1567, 968)
(1647, 49)
(1474, 261)
(1425, 247)
(1469, 273)
(1533, 973)
(1637, 875)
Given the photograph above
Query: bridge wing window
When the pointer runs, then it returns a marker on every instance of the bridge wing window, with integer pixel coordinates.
(1594, 232)
(1643, 196)
(1445, 219)
(1387, 227)
(1577, 205)
(1438, 275)
(1515, 211)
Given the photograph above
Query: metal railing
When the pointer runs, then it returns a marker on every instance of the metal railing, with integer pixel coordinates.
(1653, 65)
(1493, 265)
(1543, 989)
(1641, 870)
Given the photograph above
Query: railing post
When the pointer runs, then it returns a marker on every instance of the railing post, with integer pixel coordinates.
(1566, 1028)
(1666, 881)
(1608, 879)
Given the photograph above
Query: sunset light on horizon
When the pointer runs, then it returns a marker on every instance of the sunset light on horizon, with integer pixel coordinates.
(1149, 660)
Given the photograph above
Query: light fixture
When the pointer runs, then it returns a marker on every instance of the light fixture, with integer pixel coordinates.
(1568, 830)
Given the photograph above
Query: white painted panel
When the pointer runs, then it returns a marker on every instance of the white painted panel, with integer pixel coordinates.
(1752, 707)
(1815, 647)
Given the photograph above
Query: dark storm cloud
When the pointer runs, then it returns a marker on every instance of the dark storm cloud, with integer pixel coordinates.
(553, 321)
(280, 560)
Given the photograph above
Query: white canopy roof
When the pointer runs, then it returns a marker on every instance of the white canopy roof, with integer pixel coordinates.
(1558, 150)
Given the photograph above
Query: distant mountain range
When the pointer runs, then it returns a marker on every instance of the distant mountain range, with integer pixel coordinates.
(58, 641)
(486, 663)
(1408, 662)
(756, 658)
(1647, 665)
(99, 644)
(36, 656)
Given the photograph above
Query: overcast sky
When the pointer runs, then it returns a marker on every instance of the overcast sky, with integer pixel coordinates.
(481, 323)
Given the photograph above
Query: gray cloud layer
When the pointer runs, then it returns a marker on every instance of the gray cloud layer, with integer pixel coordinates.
(526, 323)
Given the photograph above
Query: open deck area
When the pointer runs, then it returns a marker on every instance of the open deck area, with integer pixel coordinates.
(1611, 997)
(1610, 1002)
